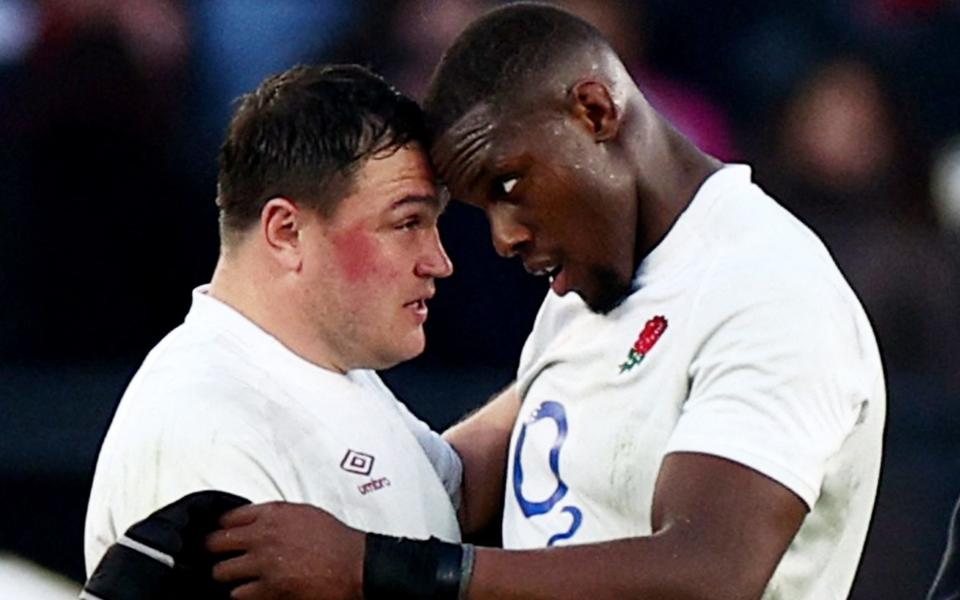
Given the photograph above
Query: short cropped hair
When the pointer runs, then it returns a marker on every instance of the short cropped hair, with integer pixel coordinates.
(504, 51)
(303, 134)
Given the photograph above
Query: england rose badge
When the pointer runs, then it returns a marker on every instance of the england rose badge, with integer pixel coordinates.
(651, 332)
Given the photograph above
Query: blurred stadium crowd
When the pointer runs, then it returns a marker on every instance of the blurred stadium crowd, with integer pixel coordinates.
(111, 113)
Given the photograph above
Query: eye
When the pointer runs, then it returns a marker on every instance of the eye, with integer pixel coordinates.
(409, 223)
(507, 184)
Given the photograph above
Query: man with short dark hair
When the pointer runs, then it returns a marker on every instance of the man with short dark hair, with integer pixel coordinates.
(701, 418)
(330, 248)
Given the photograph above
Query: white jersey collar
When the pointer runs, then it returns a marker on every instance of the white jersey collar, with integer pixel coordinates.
(212, 314)
(683, 240)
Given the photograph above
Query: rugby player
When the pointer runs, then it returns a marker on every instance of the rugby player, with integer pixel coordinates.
(329, 252)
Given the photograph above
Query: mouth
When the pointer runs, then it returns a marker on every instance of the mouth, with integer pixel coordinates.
(419, 308)
(542, 268)
(554, 271)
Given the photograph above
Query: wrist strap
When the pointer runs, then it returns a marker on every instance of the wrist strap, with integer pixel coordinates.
(466, 570)
(403, 569)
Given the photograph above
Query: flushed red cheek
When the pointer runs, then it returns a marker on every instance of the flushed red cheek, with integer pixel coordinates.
(357, 254)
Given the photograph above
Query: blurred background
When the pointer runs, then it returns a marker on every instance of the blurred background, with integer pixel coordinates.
(111, 113)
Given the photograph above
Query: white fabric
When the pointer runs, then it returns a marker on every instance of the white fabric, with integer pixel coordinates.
(160, 557)
(767, 360)
(221, 404)
(23, 580)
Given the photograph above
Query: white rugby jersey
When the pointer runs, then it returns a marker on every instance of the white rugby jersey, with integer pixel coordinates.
(742, 340)
(221, 404)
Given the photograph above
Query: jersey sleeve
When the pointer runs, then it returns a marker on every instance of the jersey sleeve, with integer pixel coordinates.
(186, 445)
(445, 460)
(231, 456)
(775, 385)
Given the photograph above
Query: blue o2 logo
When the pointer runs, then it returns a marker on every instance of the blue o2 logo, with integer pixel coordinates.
(555, 412)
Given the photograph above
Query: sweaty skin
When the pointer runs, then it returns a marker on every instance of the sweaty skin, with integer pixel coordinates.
(466, 152)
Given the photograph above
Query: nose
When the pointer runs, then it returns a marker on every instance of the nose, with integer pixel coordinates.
(509, 237)
(434, 261)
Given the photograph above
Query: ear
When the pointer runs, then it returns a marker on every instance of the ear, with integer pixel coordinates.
(281, 223)
(592, 105)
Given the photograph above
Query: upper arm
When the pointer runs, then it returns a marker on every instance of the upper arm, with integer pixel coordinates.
(720, 529)
(719, 532)
(779, 382)
(482, 440)
(731, 524)
(776, 387)
(488, 425)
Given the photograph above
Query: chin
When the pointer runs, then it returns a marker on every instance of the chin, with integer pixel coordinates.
(609, 293)
(413, 347)
(393, 352)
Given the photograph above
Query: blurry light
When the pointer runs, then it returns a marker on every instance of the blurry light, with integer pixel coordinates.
(19, 29)
(945, 185)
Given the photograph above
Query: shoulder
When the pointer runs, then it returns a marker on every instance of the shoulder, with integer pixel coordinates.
(756, 251)
(197, 365)
(769, 286)
(193, 389)
(192, 431)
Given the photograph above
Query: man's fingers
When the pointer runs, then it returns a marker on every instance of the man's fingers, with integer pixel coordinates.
(237, 539)
(241, 516)
(249, 591)
(242, 567)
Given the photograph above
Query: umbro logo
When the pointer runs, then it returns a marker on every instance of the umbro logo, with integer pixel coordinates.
(360, 463)
(357, 462)
(373, 485)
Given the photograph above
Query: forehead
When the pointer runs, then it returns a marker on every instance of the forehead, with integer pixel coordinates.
(404, 167)
(388, 180)
(483, 138)
(463, 149)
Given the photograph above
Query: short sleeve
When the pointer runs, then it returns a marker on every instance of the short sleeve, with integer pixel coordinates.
(445, 460)
(183, 446)
(775, 385)
(220, 451)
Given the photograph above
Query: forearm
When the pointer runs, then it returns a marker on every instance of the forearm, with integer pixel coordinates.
(647, 568)
(482, 441)
(720, 530)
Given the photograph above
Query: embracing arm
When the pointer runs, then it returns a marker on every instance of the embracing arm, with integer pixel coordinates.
(719, 531)
(482, 441)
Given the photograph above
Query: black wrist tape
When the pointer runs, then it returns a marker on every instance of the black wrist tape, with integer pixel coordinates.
(403, 569)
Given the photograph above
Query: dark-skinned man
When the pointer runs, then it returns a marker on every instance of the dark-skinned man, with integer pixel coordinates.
(701, 400)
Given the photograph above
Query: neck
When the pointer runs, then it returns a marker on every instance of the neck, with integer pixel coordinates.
(671, 170)
(261, 295)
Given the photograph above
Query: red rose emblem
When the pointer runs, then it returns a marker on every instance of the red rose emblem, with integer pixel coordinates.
(652, 331)
(650, 334)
